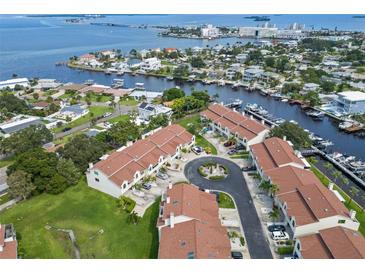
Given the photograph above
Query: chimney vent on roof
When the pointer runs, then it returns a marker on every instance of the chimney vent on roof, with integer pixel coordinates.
(167, 200)
(91, 165)
(172, 219)
(251, 117)
(330, 186)
(284, 138)
(170, 185)
(353, 215)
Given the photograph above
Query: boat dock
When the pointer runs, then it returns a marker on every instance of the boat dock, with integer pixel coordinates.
(338, 165)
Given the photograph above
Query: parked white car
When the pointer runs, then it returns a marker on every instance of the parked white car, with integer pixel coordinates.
(279, 235)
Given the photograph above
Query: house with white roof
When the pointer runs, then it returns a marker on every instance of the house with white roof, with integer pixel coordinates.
(11, 83)
(351, 101)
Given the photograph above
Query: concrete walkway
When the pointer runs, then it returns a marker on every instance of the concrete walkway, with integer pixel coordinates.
(236, 186)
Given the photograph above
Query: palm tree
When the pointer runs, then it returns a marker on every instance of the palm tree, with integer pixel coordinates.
(344, 180)
(353, 191)
(336, 174)
(274, 214)
(265, 185)
(328, 166)
(274, 189)
(133, 218)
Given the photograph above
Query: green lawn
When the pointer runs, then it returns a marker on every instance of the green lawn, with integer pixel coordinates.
(360, 213)
(85, 211)
(6, 162)
(101, 98)
(199, 140)
(225, 201)
(95, 111)
(123, 117)
(240, 155)
(4, 198)
(128, 102)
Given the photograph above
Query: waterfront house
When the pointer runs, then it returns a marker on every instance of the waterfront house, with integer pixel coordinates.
(72, 111)
(18, 123)
(307, 205)
(146, 111)
(252, 74)
(351, 102)
(44, 84)
(118, 172)
(189, 226)
(332, 243)
(11, 83)
(233, 124)
(151, 64)
(145, 95)
(8, 242)
(86, 58)
(273, 153)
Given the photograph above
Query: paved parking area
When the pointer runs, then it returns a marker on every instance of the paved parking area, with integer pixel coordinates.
(236, 186)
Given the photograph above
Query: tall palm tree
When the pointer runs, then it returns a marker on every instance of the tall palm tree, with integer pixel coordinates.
(274, 189)
(336, 174)
(274, 214)
(353, 191)
(328, 166)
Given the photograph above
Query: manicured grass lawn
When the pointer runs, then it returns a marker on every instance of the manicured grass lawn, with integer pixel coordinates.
(128, 102)
(225, 201)
(240, 155)
(101, 98)
(360, 213)
(123, 117)
(4, 198)
(96, 110)
(6, 162)
(199, 140)
(85, 211)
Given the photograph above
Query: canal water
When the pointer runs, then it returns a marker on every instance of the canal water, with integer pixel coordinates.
(343, 142)
(30, 47)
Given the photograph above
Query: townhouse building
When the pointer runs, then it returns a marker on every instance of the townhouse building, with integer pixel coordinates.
(118, 172)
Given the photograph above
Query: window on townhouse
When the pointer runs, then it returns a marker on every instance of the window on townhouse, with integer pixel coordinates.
(97, 179)
(96, 173)
(341, 221)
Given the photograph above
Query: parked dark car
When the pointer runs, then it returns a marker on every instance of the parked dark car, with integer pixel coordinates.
(146, 186)
(66, 129)
(239, 147)
(249, 168)
(232, 151)
(229, 143)
(236, 255)
(273, 228)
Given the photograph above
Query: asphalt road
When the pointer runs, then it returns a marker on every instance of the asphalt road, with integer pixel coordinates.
(236, 186)
(116, 113)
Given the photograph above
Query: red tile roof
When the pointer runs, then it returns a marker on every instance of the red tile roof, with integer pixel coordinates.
(333, 243)
(236, 122)
(288, 178)
(201, 235)
(9, 247)
(274, 152)
(121, 165)
(309, 204)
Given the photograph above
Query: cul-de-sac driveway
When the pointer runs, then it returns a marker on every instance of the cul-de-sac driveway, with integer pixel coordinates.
(235, 185)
